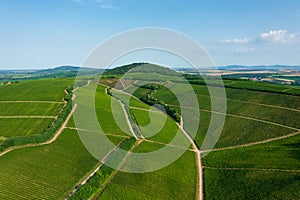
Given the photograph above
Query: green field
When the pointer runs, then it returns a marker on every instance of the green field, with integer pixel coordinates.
(30, 109)
(162, 129)
(268, 170)
(177, 181)
(252, 115)
(234, 184)
(254, 172)
(23, 126)
(45, 172)
(280, 154)
(37, 90)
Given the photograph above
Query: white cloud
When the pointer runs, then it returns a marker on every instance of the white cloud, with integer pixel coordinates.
(101, 3)
(237, 41)
(277, 36)
(105, 4)
(245, 50)
(273, 36)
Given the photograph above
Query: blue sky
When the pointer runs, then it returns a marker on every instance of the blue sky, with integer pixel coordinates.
(41, 34)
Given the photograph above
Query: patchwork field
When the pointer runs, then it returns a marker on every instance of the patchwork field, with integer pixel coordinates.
(256, 156)
(30, 107)
(251, 115)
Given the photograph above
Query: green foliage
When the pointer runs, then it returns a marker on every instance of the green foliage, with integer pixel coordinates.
(146, 97)
(122, 69)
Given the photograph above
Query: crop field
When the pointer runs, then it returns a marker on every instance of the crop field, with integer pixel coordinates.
(23, 126)
(263, 171)
(280, 154)
(256, 156)
(177, 181)
(37, 90)
(235, 184)
(45, 172)
(248, 118)
(160, 130)
(30, 108)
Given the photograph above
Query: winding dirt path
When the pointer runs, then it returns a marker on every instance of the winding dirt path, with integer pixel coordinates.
(199, 194)
(127, 120)
(198, 161)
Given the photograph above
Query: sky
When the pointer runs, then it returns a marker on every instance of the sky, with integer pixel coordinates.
(42, 34)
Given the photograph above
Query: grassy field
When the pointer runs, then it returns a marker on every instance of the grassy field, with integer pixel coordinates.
(177, 181)
(44, 172)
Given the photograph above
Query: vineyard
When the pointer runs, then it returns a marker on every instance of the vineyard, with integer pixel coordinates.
(256, 156)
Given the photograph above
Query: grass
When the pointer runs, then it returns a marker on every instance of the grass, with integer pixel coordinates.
(45, 172)
(231, 185)
(37, 90)
(29, 109)
(23, 126)
(176, 181)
